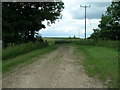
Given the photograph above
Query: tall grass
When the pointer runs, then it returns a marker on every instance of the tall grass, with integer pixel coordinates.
(85, 42)
(12, 52)
(103, 43)
(108, 43)
(8, 65)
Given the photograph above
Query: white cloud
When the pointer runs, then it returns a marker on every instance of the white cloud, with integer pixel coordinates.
(73, 9)
(69, 28)
(73, 22)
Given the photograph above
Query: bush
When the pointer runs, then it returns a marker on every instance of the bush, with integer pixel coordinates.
(108, 43)
(14, 51)
(85, 42)
(103, 43)
(62, 41)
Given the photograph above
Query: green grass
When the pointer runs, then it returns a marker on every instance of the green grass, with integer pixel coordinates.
(101, 62)
(49, 40)
(103, 43)
(12, 52)
(7, 65)
(108, 43)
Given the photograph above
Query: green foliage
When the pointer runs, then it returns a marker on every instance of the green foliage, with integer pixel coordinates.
(103, 43)
(21, 20)
(85, 42)
(8, 65)
(63, 41)
(109, 24)
(108, 43)
(101, 62)
(95, 42)
(95, 35)
(14, 51)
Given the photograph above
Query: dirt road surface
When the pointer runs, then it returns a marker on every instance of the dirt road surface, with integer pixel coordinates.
(57, 69)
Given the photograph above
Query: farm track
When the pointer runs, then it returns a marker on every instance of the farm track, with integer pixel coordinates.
(57, 69)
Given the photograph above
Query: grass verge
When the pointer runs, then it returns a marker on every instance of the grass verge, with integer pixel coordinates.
(101, 62)
(7, 65)
(12, 52)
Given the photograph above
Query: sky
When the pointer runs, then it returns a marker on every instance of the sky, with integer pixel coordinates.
(73, 21)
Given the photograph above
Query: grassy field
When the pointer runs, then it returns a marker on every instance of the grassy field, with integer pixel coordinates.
(101, 59)
(60, 40)
(7, 65)
(102, 63)
(103, 43)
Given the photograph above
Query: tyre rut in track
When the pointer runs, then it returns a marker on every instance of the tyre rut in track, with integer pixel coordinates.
(55, 70)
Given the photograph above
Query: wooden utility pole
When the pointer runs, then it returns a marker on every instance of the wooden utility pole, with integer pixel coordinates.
(85, 6)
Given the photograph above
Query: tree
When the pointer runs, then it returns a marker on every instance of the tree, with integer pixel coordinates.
(96, 34)
(22, 19)
(105, 27)
(74, 37)
(110, 23)
(114, 11)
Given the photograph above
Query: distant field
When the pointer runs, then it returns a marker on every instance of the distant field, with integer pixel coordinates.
(50, 40)
(103, 43)
(60, 40)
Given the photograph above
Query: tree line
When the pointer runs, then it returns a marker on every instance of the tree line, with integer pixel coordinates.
(21, 20)
(109, 27)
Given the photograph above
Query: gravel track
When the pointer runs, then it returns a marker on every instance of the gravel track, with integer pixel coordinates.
(57, 69)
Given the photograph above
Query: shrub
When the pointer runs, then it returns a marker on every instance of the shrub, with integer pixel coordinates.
(85, 42)
(107, 43)
(103, 43)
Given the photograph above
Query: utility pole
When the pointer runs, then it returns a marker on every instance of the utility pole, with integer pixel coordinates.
(85, 6)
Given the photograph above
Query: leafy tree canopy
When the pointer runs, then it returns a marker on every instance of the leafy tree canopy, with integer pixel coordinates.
(109, 27)
(22, 19)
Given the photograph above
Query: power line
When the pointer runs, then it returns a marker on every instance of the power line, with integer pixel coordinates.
(85, 6)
